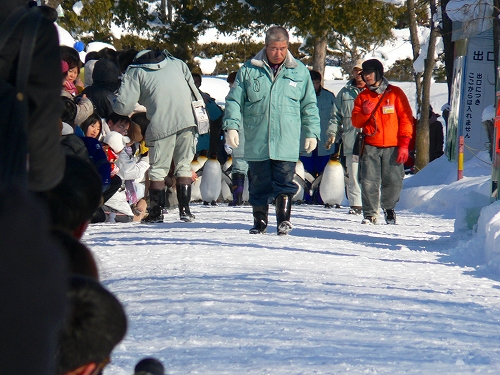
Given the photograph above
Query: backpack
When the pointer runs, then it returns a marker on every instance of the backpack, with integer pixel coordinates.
(14, 100)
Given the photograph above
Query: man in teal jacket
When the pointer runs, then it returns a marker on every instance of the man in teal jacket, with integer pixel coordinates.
(274, 101)
(162, 84)
(340, 125)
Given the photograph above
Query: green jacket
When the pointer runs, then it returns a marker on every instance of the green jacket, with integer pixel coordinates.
(272, 110)
(326, 100)
(340, 119)
(160, 82)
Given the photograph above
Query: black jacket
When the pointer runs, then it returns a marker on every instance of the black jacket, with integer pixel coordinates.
(46, 159)
(436, 138)
(105, 81)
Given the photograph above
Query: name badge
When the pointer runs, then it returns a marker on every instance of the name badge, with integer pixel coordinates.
(387, 109)
(293, 83)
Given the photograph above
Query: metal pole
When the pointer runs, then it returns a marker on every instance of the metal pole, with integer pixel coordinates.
(460, 174)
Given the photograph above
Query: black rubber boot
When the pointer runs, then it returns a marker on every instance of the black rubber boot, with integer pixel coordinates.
(283, 211)
(237, 189)
(156, 205)
(260, 214)
(184, 197)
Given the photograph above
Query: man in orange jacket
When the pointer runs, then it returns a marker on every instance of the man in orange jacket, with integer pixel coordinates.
(384, 113)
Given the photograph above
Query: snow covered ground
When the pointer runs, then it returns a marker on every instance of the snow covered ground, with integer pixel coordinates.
(333, 297)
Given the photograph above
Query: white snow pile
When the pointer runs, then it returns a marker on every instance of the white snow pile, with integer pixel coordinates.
(97, 46)
(435, 190)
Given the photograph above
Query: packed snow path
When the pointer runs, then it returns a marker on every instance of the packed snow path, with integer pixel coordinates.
(333, 297)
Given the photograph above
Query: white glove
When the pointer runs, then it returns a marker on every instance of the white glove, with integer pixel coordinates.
(310, 144)
(232, 138)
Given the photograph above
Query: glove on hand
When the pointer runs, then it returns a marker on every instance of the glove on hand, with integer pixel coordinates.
(310, 144)
(329, 142)
(403, 150)
(368, 107)
(232, 138)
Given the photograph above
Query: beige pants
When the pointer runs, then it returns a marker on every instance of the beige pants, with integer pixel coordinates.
(178, 147)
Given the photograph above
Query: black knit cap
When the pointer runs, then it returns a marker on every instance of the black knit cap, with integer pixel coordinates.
(376, 66)
(149, 366)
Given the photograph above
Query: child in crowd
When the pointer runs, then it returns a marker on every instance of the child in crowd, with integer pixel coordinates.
(72, 72)
(92, 126)
(84, 107)
(127, 203)
(113, 144)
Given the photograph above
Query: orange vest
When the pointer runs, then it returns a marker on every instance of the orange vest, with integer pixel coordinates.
(392, 120)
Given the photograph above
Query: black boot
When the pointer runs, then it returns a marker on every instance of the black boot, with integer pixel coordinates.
(237, 189)
(184, 197)
(156, 205)
(259, 219)
(283, 211)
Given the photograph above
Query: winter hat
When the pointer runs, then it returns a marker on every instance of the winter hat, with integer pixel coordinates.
(358, 64)
(149, 366)
(116, 141)
(106, 71)
(376, 66)
(64, 66)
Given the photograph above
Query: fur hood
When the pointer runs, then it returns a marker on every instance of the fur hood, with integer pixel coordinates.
(260, 59)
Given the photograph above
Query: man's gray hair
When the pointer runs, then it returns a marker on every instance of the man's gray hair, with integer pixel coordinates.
(276, 34)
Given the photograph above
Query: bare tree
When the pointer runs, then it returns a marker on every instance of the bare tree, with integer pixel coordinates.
(449, 45)
(166, 10)
(423, 81)
(319, 54)
(415, 44)
(422, 142)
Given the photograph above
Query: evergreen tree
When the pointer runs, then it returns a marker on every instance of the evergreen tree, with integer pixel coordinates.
(340, 24)
(94, 20)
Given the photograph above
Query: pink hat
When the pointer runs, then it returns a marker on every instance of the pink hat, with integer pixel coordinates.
(64, 66)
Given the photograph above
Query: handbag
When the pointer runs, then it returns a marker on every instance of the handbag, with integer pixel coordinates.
(199, 111)
(359, 145)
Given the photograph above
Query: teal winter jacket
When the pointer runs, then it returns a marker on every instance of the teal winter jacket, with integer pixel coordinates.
(325, 101)
(340, 120)
(272, 110)
(159, 82)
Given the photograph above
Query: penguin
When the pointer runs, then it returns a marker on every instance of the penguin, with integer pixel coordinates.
(228, 164)
(226, 193)
(195, 165)
(211, 182)
(195, 190)
(299, 179)
(202, 159)
(332, 187)
(246, 194)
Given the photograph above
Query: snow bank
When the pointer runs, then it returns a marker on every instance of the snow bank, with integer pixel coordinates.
(207, 66)
(435, 190)
(97, 46)
(488, 231)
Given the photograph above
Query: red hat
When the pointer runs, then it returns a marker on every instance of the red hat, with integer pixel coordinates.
(64, 66)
